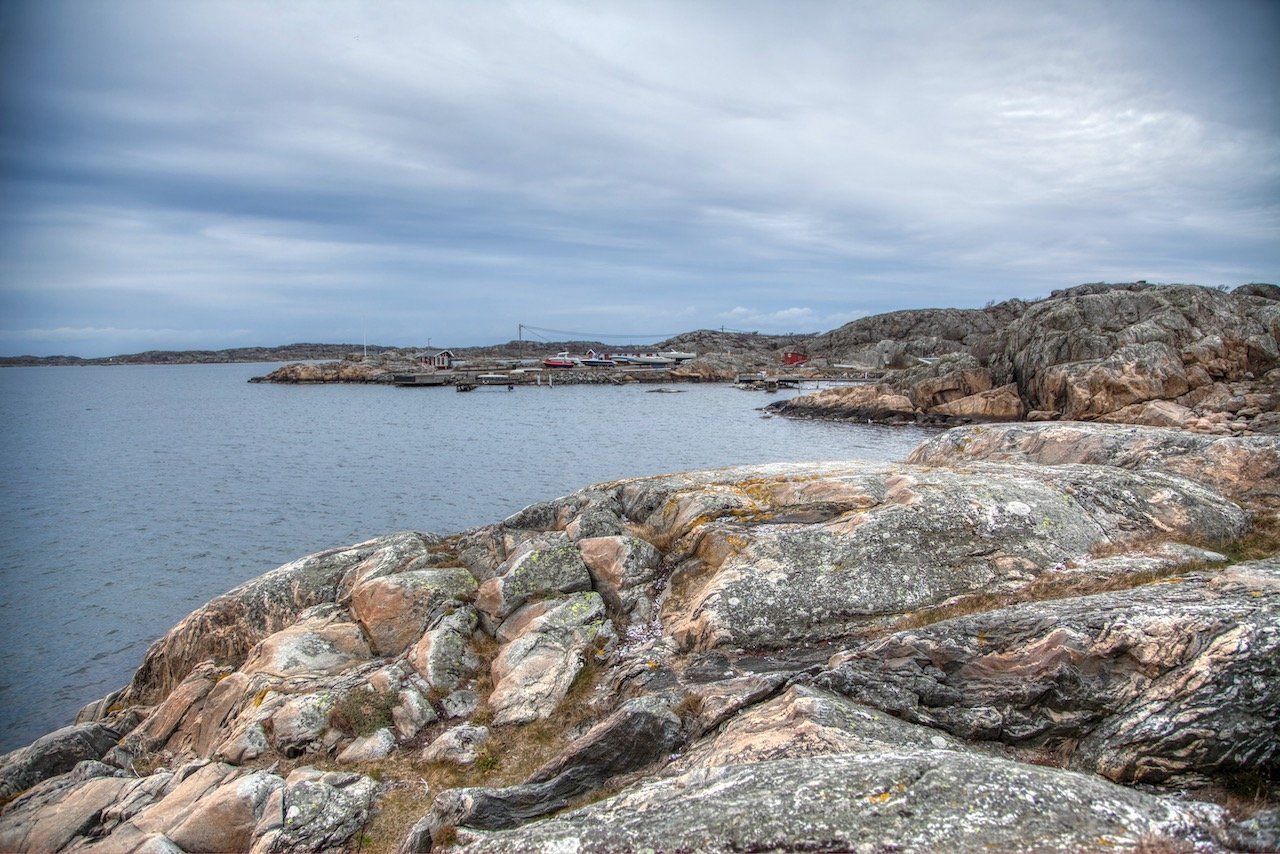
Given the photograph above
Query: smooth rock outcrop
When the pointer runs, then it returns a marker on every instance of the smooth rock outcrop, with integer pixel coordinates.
(1133, 374)
(905, 801)
(534, 574)
(394, 610)
(459, 745)
(230, 625)
(1154, 336)
(533, 673)
(1244, 468)
(444, 656)
(889, 539)
(200, 807)
(878, 402)
(806, 721)
(327, 372)
(314, 811)
(368, 748)
(52, 814)
(1129, 682)
(997, 404)
(316, 647)
(1090, 352)
(620, 567)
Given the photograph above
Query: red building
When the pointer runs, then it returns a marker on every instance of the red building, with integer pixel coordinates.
(794, 358)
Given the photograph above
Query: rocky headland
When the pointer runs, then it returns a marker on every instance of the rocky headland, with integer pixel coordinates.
(722, 356)
(1181, 356)
(1027, 637)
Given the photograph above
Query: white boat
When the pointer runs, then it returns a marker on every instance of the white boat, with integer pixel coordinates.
(678, 355)
(650, 359)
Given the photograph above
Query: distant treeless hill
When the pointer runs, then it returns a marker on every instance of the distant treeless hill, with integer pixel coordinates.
(284, 353)
(697, 341)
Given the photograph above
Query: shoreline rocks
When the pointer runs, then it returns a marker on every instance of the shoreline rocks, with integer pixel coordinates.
(1171, 356)
(1016, 640)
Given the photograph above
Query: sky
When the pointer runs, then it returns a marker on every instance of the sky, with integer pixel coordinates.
(181, 174)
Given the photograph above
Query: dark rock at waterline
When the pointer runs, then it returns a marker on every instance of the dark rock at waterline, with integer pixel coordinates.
(53, 754)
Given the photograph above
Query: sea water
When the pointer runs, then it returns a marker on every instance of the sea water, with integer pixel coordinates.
(131, 495)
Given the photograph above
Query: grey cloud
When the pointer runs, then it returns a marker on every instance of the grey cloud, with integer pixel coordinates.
(285, 165)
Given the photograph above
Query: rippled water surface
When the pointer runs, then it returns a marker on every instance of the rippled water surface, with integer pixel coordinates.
(131, 495)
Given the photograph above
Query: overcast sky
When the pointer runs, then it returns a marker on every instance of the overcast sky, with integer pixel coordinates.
(219, 174)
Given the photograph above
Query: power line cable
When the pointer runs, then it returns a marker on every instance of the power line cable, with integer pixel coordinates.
(602, 335)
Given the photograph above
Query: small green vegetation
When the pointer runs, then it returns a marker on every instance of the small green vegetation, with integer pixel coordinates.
(487, 760)
(363, 712)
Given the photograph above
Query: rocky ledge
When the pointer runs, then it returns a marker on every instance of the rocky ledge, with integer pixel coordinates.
(1179, 356)
(1026, 638)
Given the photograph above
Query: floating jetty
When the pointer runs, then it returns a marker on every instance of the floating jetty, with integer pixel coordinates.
(422, 379)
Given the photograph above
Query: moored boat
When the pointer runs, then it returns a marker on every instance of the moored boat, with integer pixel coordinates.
(595, 360)
(560, 360)
(651, 359)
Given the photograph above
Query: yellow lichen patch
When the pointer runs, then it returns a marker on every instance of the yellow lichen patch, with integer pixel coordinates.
(777, 489)
(882, 798)
(718, 544)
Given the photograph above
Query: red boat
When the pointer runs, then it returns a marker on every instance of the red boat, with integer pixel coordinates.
(560, 360)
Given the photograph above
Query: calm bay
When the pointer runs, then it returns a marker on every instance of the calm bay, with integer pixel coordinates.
(133, 494)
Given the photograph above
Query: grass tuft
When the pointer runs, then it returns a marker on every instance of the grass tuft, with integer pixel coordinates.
(362, 712)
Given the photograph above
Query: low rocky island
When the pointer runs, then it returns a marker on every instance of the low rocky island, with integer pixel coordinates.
(1026, 637)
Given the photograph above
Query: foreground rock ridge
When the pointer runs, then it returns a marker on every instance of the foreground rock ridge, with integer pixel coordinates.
(1027, 637)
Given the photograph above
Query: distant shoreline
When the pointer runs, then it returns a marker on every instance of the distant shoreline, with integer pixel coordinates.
(703, 340)
(236, 355)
